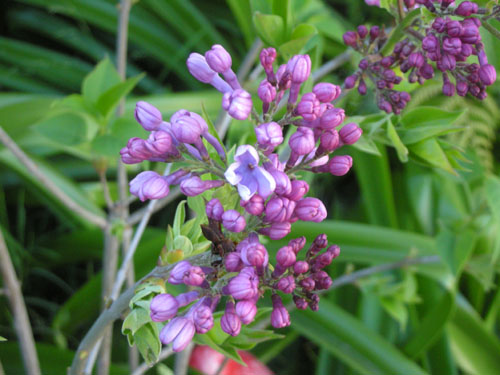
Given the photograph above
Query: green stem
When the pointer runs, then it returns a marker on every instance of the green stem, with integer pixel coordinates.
(491, 29)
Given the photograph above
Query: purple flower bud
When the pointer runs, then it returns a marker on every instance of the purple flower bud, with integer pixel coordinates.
(129, 159)
(427, 71)
(277, 230)
(279, 316)
(387, 61)
(374, 32)
(149, 185)
(237, 103)
(300, 303)
(323, 281)
(340, 165)
(246, 311)
(203, 318)
(462, 88)
(448, 62)
(233, 262)
(300, 266)
(266, 92)
(332, 118)
(279, 210)
(384, 105)
(255, 254)
(214, 209)
(453, 28)
(350, 38)
(328, 141)
(159, 143)
(310, 209)
(233, 221)
(254, 206)
(283, 184)
(297, 244)
(194, 276)
(218, 59)
(194, 186)
(286, 257)
(308, 284)
(362, 31)
(416, 59)
(452, 46)
(430, 43)
(466, 8)
(389, 75)
(148, 116)
(350, 133)
(179, 331)
(199, 68)
(230, 322)
(470, 34)
(439, 24)
(178, 272)
(269, 134)
(163, 307)
(299, 189)
(326, 92)
(350, 81)
(185, 299)
(267, 57)
(487, 74)
(299, 67)
(362, 88)
(302, 141)
(308, 107)
(286, 284)
(448, 89)
(187, 128)
(244, 285)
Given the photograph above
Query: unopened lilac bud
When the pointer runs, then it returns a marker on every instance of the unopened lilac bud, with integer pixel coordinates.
(331, 118)
(280, 317)
(350, 133)
(462, 88)
(286, 257)
(178, 272)
(203, 318)
(186, 128)
(350, 81)
(255, 254)
(149, 185)
(362, 31)
(448, 89)
(254, 206)
(283, 184)
(299, 67)
(487, 74)
(148, 116)
(466, 8)
(163, 307)
(439, 24)
(286, 284)
(246, 311)
(326, 92)
(179, 331)
(266, 92)
(297, 244)
(448, 62)
(310, 209)
(300, 303)
(230, 322)
(269, 134)
(362, 88)
(214, 209)
(199, 68)
(279, 209)
(194, 276)
(416, 59)
(387, 61)
(453, 28)
(302, 141)
(328, 141)
(299, 189)
(232, 262)
(277, 230)
(308, 284)
(350, 38)
(384, 105)
(194, 186)
(430, 43)
(238, 104)
(159, 142)
(427, 71)
(300, 267)
(267, 57)
(308, 107)
(374, 32)
(218, 59)
(233, 221)
(340, 165)
(323, 281)
(185, 299)
(452, 46)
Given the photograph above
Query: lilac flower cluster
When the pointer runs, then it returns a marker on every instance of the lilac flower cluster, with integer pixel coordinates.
(273, 196)
(447, 43)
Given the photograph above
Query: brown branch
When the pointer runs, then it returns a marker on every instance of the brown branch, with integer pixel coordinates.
(48, 183)
(21, 320)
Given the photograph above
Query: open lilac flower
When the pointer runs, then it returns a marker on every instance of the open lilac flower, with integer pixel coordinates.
(246, 174)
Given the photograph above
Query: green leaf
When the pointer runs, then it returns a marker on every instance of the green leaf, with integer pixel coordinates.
(429, 116)
(270, 28)
(67, 128)
(283, 8)
(183, 243)
(135, 320)
(148, 342)
(401, 150)
(423, 132)
(430, 152)
(107, 145)
(228, 352)
(109, 99)
(398, 32)
(351, 342)
(301, 35)
(98, 81)
(456, 248)
(492, 187)
(180, 216)
(2, 338)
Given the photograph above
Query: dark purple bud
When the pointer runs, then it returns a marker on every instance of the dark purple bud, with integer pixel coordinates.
(387, 61)
(446, 3)
(238, 104)
(448, 89)
(230, 322)
(279, 210)
(427, 71)
(362, 87)
(374, 32)
(277, 230)
(439, 24)
(384, 105)
(266, 92)
(404, 96)
(381, 84)
(462, 88)
(350, 38)
(453, 46)
(398, 47)
(308, 107)
(286, 284)
(246, 310)
(350, 81)
(163, 307)
(254, 206)
(362, 31)
(300, 267)
(233, 262)
(326, 92)
(416, 59)
(214, 209)
(302, 141)
(308, 284)
(487, 74)
(340, 165)
(453, 28)
(233, 221)
(466, 8)
(218, 59)
(389, 75)
(430, 43)
(323, 281)
(310, 209)
(149, 185)
(297, 244)
(286, 257)
(148, 116)
(448, 62)
(179, 331)
(350, 133)
(279, 316)
(300, 303)
(470, 34)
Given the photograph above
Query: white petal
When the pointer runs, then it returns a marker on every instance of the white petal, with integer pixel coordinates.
(244, 192)
(232, 177)
(244, 148)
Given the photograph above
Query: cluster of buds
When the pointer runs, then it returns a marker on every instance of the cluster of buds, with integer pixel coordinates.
(446, 43)
(272, 196)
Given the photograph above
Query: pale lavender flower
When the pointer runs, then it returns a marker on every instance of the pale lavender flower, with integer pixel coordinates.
(149, 185)
(237, 103)
(179, 331)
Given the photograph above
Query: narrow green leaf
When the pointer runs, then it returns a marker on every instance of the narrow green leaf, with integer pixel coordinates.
(270, 28)
(110, 98)
(401, 150)
(180, 216)
(103, 77)
(67, 128)
(430, 152)
(429, 116)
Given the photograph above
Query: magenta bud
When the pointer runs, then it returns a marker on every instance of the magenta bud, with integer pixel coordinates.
(280, 317)
(427, 71)
(279, 210)
(277, 230)
(350, 38)
(254, 206)
(328, 141)
(448, 89)
(448, 62)
(326, 92)
(299, 189)
(308, 284)
(362, 88)
(203, 318)
(244, 285)
(310, 209)
(302, 141)
(194, 276)
(149, 185)
(387, 61)
(286, 257)
(308, 107)
(255, 254)
(199, 68)
(286, 284)
(269, 134)
(233, 262)
(218, 59)
(350, 81)
(300, 303)
(297, 244)
(194, 186)
(416, 59)
(453, 28)
(233, 221)
(266, 92)
(374, 32)
(362, 31)
(453, 46)
(148, 115)
(178, 272)
(237, 103)
(267, 57)
(487, 74)
(179, 331)
(283, 184)
(159, 143)
(331, 118)
(466, 8)
(246, 311)
(462, 88)
(163, 307)
(299, 67)
(214, 209)
(350, 133)
(430, 43)
(230, 322)
(439, 24)
(340, 165)
(300, 267)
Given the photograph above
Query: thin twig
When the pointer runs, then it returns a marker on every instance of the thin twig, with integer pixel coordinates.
(117, 308)
(331, 65)
(20, 314)
(182, 360)
(401, 10)
(105, 188)
(164, 354)
(48, 183)
(137, 216)
(491, 29)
